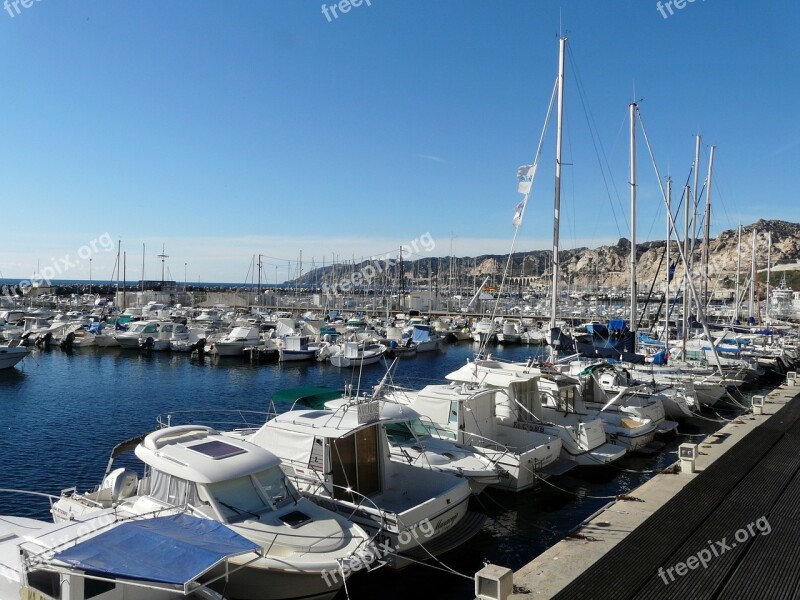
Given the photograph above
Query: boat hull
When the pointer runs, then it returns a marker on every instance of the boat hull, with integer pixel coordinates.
(11, 356)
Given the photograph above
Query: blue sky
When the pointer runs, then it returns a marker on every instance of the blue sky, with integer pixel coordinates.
(223, 130)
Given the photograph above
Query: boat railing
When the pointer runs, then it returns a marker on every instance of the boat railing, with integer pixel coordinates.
(50, 497)
(324, 494)
(248, 420)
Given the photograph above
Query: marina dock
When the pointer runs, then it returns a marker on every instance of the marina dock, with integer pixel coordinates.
(728, 530)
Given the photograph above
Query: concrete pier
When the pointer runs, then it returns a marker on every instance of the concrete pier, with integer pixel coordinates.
(744, 472)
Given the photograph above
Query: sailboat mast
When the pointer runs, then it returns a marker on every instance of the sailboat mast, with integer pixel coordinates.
(669, 264)
(562, 46)
(695, 200)
(738, 273)
(687, 271)
(769, 271)
(707, 232)
(751, 303)
(634, 293)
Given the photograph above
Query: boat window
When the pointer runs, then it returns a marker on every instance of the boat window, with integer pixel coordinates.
(167, 329)
(238, 498)
(419, 428)
(566, 399)
(151, 328)
(398, 433)
(274, 486)
(173, 490)
(453, 418)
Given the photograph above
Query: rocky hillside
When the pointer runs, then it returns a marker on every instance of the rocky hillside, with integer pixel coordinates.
(605, 265)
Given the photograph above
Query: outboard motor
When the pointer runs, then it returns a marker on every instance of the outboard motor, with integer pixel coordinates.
(66, 342)
(42, 341)
(147, 345)
(199, 346)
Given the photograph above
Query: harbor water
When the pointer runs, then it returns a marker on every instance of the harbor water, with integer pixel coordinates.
(62, 413)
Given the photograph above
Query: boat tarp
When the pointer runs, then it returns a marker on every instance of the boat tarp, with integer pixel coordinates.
(172, 550)
(421, 334)
(312, 396)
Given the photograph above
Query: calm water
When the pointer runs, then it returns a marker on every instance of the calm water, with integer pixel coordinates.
(61, 414)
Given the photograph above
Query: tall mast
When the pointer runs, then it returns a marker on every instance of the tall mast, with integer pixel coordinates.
(562, 46)
(687, 263)
(769, 269)
(695, 199)
(751, 303)
(669, 264)
(707, 232)
(634, 311)
(738, 274)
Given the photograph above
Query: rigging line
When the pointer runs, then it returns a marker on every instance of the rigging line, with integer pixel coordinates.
(485, 341)
(596, 140)
(429, 553)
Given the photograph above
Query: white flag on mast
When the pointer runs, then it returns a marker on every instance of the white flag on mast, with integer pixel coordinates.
(525, 178)
(519, 211)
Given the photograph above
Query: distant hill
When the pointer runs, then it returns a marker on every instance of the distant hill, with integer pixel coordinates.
(604, 265)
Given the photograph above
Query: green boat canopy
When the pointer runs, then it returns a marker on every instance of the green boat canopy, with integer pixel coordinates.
(312, 396)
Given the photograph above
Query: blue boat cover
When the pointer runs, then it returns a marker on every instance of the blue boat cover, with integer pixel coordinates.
(616, 325)
(172, 550)
(421, 333)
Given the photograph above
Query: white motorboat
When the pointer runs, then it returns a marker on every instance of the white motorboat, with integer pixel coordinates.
(484, 331)
(606, 388)
(153, 335)
(342, 461)
(425, 338)
(234, 343)
(297, 348)
(534, 403)
(417, 441)
(355, 354)
(11, 354)
(469, 417)
(195, 470)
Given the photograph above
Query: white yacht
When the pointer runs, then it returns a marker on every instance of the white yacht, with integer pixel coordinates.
(342, 461)
(195, 470)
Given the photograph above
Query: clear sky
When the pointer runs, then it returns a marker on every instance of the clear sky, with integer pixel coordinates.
(227, 129)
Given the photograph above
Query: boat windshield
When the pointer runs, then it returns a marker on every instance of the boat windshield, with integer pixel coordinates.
(250, 496)
(406, 431)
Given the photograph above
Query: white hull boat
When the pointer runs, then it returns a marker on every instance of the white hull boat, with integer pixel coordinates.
(10, 355)
(195, 470)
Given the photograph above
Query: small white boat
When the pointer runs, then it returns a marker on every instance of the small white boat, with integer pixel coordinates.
(11, 354)
(355, 354)
(297, 348)
(234, 343)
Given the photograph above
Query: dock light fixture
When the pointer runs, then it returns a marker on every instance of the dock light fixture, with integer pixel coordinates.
(687, 453)
(494, 583)
(758, 405)
(791, 378)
